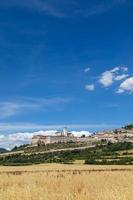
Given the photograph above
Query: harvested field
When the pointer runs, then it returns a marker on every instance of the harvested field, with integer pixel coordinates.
(66, 182)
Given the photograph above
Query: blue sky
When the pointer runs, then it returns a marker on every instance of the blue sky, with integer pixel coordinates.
(65, 63)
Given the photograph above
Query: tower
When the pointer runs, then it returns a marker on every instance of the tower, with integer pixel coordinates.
(65, 131)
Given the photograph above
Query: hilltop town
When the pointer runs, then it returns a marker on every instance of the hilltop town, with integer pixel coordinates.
(113, 147)
(124, 134)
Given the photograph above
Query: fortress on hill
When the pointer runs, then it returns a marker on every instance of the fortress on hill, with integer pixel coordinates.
(117, 135)
(124, 134)
(59, 137)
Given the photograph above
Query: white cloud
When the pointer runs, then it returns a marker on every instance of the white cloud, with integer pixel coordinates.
(121, 77)
(115, 69)
(23, 136)
(80, 133)
(90, 87)
(119, 91)
(17, 139)
(87, 69)
(108, 77)
(126, 86)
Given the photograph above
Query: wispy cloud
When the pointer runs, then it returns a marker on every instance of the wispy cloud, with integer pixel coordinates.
(11, 108)
(99, 7)
(48, 7)
(87, 69)
(15, 127)
(111, 105)
(121, 77)
(67, 8)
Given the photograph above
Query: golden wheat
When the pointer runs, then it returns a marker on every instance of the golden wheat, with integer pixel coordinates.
(66, 182)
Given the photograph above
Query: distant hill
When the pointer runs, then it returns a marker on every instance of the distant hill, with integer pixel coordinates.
(2, 150)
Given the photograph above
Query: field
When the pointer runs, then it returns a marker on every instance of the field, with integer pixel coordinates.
(66, 182)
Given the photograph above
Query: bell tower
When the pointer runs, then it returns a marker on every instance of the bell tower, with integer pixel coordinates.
(65, 131)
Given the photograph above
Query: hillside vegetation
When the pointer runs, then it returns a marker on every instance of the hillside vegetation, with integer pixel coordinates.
(42, 148)
(110, 154)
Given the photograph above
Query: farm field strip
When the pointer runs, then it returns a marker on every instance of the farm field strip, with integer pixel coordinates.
(66, 182)
(66, 171)
(71, 167)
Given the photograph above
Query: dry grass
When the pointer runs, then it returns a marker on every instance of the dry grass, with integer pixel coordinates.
(71, 182)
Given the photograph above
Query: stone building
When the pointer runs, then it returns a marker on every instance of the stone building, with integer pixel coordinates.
(59, 137)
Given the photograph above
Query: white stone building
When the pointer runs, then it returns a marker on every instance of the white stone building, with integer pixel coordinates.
(59, 137)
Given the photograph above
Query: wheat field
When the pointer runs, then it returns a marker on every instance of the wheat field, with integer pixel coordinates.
(66, 182)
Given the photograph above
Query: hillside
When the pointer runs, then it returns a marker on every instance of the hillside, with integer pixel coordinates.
(110, 154)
